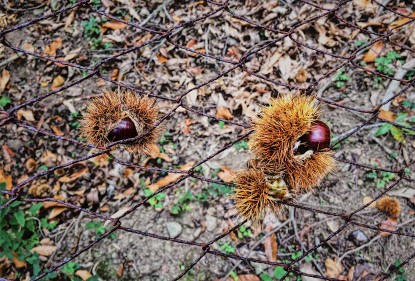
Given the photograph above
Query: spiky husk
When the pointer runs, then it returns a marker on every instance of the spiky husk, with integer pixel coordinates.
(251, 196)
(389, 206)
(103, 113)
(278, 128)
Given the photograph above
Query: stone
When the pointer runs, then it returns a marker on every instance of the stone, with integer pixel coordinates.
(174, 229)
(211, 223)
(358, 237)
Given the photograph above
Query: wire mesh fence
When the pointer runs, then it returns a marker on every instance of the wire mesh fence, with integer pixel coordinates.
(393, 36)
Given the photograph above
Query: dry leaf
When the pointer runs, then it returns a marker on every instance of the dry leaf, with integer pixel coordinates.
(245, 277)
(27, 114)
(69, 21)
(227, 175)
(8, 153)
(365, 5)
(114, 25)
(333, 269)
(84, 274)
(7, 179)
(31, 165)
(171, 177)
(57, 82)
(120, 212)
(154, 152)
(162, 58)
(373, 52)
(224, 113)
(50, 204)
(186, 129)
(120, 271)
(402, 21)
(389, 224)
(4, 79)
(308, 268)
(48, 158)
(56, 130)
(191, 43)
(39, 189)
(387, 115)
(301, 75)
(56, 212)
(18, 263)
(72, 54)
(44, 250)
(271, 246)
(75, 172)
(368, 199)
(51, 49)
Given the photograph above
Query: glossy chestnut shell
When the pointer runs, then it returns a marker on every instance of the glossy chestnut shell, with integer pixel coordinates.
(125, 129)
(318, 137)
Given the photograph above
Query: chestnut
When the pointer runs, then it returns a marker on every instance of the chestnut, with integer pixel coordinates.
(317, 137)
(125, 129)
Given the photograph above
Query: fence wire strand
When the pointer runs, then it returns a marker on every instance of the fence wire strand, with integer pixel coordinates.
(167, 37)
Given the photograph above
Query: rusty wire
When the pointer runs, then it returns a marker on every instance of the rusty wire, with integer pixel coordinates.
(166, 34)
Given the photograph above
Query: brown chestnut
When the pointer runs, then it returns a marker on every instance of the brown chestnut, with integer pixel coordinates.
(318, 137)
(125, 129)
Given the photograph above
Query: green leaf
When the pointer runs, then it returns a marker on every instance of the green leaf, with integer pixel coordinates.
(35, 208)
(4, 101)
(20, 217)
(384, 129)
(279, 272)
(265, 277)
(397, 134)
(221, 124)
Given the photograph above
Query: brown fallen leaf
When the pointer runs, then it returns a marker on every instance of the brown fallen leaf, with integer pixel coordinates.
(245, 277)
(373, 52)
(186, 129)
(84, 274)
(154, 152)
(4, 79)
(57, 82)
(162, 58)
(227, 175)
(26, 114)
(69, 21)
(402, 21)
(56, 212)
(120, 271)
(301, 75)
(18, 263)
(387, 115)
(39, 189)
(8, 153)
(224, 113)
(171, 177)
(31, 165)
(191, 43)
(48, 158)
(6, 179)
(56, 130)
(51, 204)
(44, 250)
(114, 25)
(271, 246)
(365, 5)
(50, 50)
(333, 268)
(389, 224)
(75, 172)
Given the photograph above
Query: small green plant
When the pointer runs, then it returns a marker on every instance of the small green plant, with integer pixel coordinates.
(182, 205)
(397, 132)
(99, 229)
(155, 201)
(243, 231)
(242, 145)
(73, 120)
(400, 273)
(341, 78)
(221, 124)
(383, 64)
(4, 101)
(381, 179)
(228, 248)
(70, 269)
(21, 231)
(92, 31)
(408, 104)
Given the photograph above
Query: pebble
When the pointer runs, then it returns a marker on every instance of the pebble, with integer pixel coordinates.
(358, 237)
(174, 229)
(211, 223)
